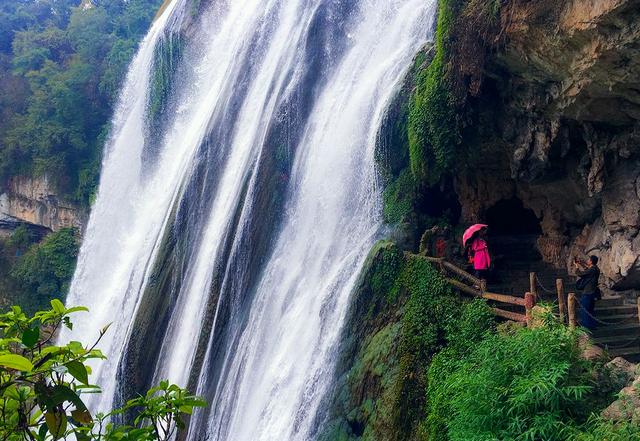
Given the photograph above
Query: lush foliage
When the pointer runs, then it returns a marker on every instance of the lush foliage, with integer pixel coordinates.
(429, 365)
(522, 384)
(42, 385)
(433, 127)
(61, 65)
(47, 267)
(33, 273)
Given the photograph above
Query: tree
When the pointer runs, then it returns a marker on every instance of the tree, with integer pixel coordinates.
(42, 385)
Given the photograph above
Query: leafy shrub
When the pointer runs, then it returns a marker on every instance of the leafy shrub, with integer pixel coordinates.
(528, 385)
(41, 387)
(470, 327)
(46, 269)
(598, 429)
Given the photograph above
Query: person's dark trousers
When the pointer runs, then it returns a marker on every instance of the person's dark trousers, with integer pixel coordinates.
(587, 310)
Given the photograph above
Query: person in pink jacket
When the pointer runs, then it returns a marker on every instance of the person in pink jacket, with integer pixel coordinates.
(480, 253)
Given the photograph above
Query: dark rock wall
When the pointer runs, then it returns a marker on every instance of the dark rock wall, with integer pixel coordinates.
(559, 107)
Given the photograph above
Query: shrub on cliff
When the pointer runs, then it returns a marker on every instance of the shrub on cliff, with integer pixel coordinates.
(61, 66)
(530, 384)
(45, 270)
(42, 385)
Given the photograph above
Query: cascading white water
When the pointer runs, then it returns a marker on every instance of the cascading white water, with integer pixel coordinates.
(277, 361)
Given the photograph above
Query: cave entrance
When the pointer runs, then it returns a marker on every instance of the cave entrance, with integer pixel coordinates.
(509, 217)
(513, 233)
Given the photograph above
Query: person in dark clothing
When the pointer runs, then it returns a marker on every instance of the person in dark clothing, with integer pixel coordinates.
(588, 276)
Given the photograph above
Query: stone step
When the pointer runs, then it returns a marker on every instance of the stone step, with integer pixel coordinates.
(606, 311)
(625, 352)
(610, 301)
(623, 329)
(612, 320)
(614, 340)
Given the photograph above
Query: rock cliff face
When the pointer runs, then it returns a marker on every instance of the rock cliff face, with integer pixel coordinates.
(33, 201)
(559, 108)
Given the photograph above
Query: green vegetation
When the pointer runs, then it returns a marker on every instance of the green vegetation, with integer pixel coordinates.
(433, 123)
(42, 385)
(427, 364)
(399, 198)
(523, 384)
(408, 314)
(61, 65)
(34, 273)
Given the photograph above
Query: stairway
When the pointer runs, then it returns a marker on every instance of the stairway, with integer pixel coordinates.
(620, 336)
(514, 257)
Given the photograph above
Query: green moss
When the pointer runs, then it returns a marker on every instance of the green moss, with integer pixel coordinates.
(386, 261)
(399, 198)
(433, 130)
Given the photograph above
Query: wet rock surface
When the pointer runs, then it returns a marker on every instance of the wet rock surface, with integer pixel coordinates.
(560, 109)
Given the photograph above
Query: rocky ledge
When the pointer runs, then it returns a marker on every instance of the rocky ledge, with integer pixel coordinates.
(555, 109)
(33, 201)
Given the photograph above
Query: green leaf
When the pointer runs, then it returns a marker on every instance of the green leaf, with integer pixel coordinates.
(78, 371)
(30, 337)
(82, 416)
(77, 309)
(42, 433)
(57, 424)
(57, 306)
(12, 392)
(17, 362)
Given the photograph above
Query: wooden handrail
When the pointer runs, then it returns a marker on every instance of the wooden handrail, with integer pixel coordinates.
(573, 319)
(479, 290)
(459, 271)
(532, 286)
(503, 298)
(562, 304)
(510, 315)
(462, 287)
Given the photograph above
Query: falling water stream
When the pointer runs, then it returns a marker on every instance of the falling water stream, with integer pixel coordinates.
(259, 197)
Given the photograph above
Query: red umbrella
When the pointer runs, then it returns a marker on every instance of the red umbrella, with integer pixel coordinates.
(472, 229)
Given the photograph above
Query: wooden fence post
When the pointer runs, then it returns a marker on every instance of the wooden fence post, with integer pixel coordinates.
(532, 285)
(529, 303)
(573, 320)
(562, 305)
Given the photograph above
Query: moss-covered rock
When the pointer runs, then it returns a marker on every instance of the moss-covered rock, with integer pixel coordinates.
(433, 127)
(397, 321)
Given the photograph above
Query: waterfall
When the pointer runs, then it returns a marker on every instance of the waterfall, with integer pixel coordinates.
(227, 236)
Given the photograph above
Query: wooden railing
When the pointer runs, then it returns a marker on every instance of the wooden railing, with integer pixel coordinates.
(478, 288)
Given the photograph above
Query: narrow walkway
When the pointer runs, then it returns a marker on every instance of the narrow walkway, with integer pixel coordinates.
(515, 257)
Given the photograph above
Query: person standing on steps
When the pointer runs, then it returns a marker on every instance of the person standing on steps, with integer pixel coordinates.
(480, 254)
(588, 275)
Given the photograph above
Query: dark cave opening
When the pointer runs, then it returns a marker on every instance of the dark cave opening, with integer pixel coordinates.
(509, 217)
